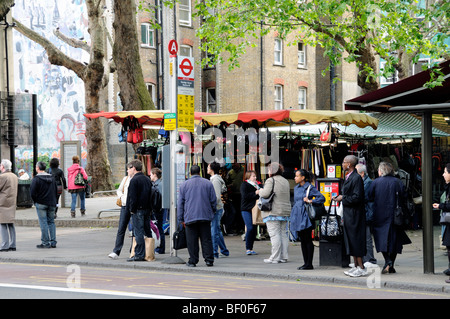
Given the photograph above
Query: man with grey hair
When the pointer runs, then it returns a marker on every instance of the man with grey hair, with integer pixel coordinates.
(352, 199)
(8, 200)
(369, 259)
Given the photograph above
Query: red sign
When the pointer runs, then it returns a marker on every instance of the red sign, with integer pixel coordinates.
(173, 47)
(186, 67)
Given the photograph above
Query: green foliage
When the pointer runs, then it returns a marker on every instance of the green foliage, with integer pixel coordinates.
(346, 29)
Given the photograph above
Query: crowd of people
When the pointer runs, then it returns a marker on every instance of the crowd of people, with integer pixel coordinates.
(368, 210)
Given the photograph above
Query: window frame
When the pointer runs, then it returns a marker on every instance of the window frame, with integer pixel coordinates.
(186, 8)
(278, 97)
(148, 31)
(279, 51)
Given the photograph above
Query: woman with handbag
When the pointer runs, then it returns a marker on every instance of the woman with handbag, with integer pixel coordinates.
(276, 219)
(385, 192)
(301, 225)
(445, 207)
(249, 189)
(125, 216)
(74, 189)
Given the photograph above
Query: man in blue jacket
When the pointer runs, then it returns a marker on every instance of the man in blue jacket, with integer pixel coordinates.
(196, 208)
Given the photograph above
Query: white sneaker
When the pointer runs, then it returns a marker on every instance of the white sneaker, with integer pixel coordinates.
(358, 272)
(271, 261)
(368, 264)
(113, 256)
(348, 272)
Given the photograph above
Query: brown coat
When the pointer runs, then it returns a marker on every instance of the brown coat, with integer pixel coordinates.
(8, 197)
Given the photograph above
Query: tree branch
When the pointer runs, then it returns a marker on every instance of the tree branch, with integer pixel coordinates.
(79, 44)
(55, 56)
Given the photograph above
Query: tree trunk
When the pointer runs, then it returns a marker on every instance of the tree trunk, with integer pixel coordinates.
(365, 81)
(133, 90)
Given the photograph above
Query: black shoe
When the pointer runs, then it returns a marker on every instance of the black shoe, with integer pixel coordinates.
(53, 246)
(189, 264)
(135, 259)
(43, 246)
(209, 263)
(12, 249)
(7, 249)
(447, 272)
(305, 267)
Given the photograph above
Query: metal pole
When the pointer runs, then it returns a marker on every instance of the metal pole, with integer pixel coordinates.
(427, 217)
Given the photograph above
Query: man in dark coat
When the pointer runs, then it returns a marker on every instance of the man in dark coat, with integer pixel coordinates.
(354, 216)
(139, 205)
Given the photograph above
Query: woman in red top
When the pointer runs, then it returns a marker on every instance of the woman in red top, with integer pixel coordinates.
(75, 190)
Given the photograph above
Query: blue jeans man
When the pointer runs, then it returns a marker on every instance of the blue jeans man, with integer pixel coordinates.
(46, 216)
(141, 228)
(217, 236)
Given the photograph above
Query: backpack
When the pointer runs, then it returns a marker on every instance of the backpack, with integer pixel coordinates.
(79, 179)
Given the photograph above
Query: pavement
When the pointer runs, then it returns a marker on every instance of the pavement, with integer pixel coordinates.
(88, 241)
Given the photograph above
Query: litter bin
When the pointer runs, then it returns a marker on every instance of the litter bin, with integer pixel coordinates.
(23, 194)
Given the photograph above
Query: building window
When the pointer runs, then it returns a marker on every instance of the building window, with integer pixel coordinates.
(418, 67)
(152, 90)
(278, 97)
(278, 52)
(211, 105)
(393, 78)
(302, 98)
(185, 13)
(186, 50)
(301, 55)
(147, 36)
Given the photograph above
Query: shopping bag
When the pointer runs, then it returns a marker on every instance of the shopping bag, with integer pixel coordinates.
(315, 211)
(257, 218)
(330, 226)
(149, 248)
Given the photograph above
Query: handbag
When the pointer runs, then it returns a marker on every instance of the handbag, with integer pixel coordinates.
(315, 211)
(445, 216)
(265, 204)
(79, 179)
(119, 202)
(59, 189)
(398, 214)
(330, 226)
(179, 238)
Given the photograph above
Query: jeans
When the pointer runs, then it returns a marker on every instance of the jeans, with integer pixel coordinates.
(74, 201)
(141, 228)
(217, 236)
(279, 239)
(46, 216)
(250, 234)
(124, 220)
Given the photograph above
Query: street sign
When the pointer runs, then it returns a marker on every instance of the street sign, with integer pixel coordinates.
(170, 121)
(185, 88)
(186, 68)
(173, 47)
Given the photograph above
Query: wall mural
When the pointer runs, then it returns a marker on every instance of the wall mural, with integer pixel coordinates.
(60, 93)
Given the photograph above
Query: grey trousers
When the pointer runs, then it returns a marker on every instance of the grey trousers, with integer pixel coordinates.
(369, 257)
(8, 233)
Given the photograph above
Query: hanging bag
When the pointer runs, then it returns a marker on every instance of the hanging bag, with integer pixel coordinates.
(445, 216)
(398, 213)
(179, 238)
(265, 204)
(330, 226)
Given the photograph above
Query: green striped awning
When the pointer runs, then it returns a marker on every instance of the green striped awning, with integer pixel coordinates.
(392, 125)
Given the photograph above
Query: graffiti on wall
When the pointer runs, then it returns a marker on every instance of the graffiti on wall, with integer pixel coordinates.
(60, 93)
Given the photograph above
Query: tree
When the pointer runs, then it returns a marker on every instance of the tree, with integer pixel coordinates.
(354, 31)
(134, 94)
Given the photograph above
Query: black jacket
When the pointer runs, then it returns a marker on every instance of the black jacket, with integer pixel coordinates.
(139, 193)
(58, 174)
(248, 196)
(43, 189)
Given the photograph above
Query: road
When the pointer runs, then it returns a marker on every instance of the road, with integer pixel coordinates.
(30, 281)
